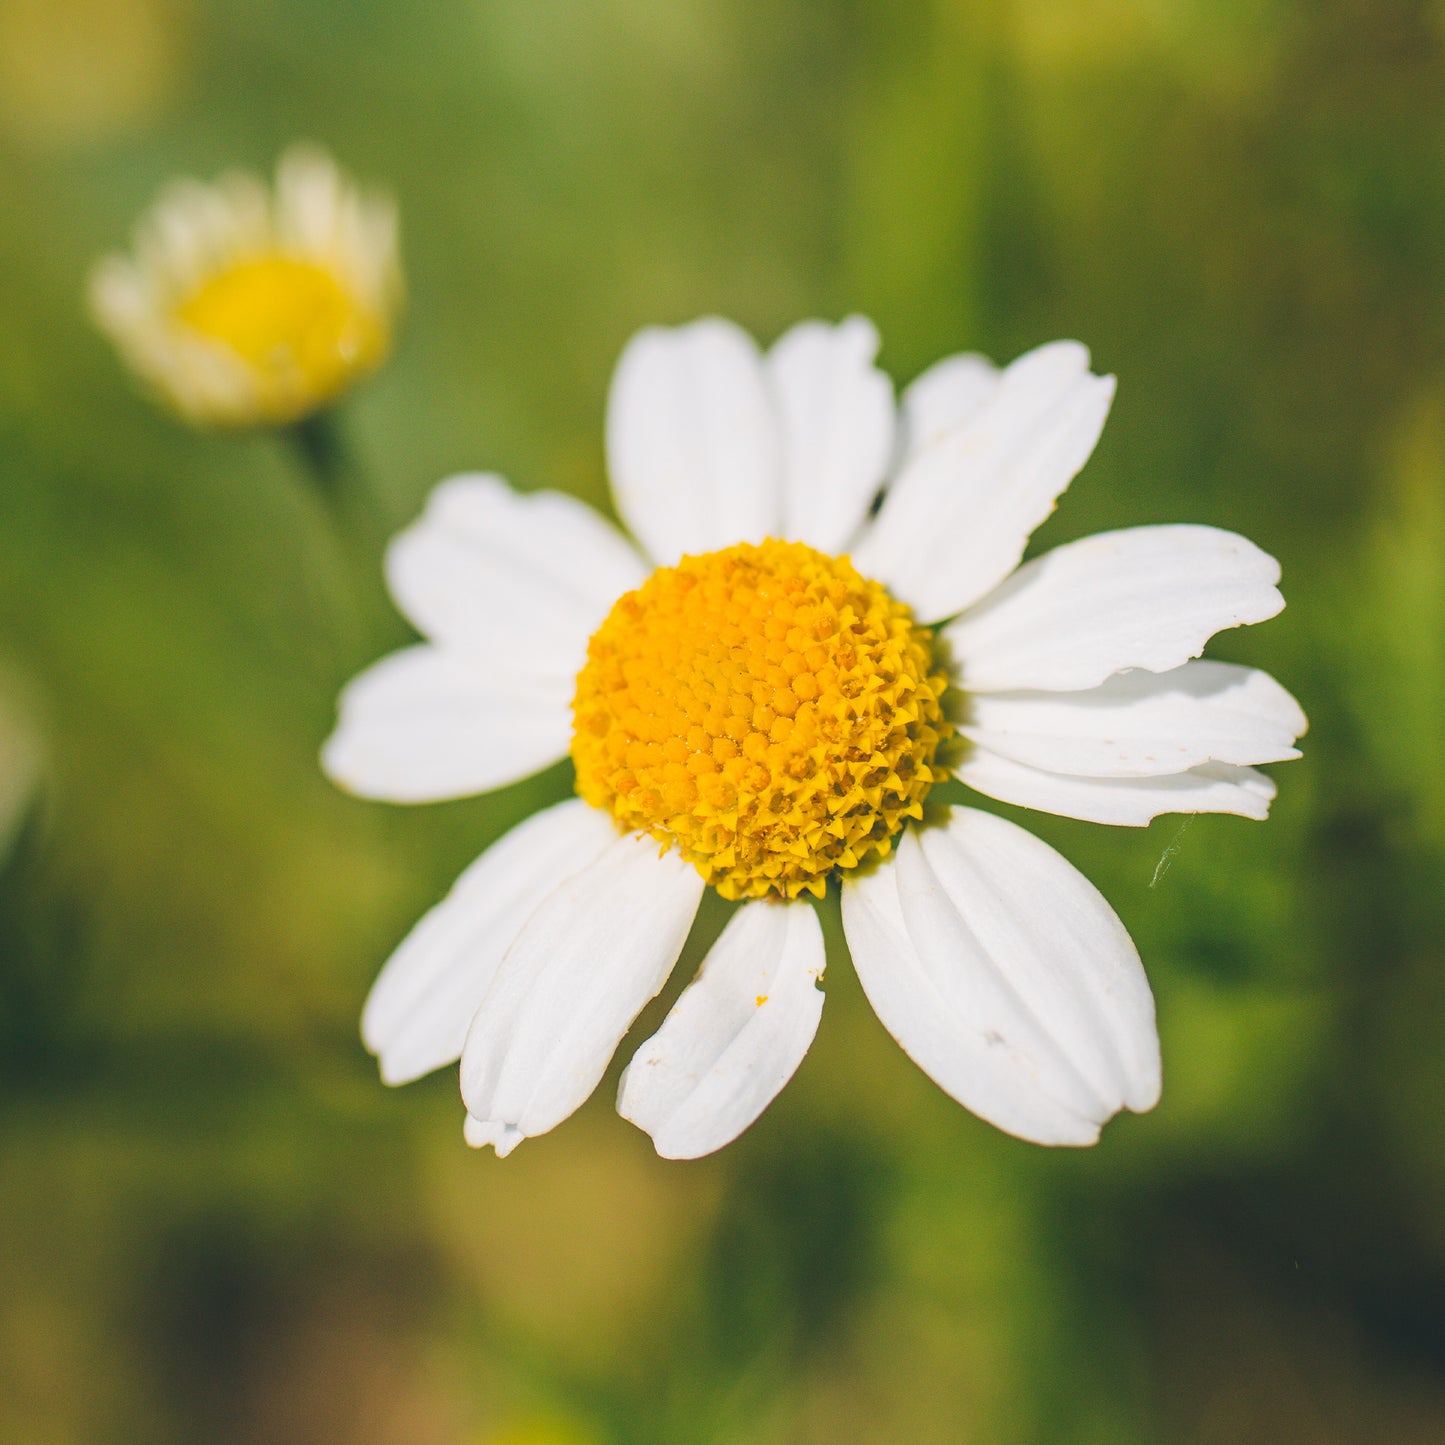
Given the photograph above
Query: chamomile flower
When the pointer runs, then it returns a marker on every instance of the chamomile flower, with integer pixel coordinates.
(758, 694)
(241, 306)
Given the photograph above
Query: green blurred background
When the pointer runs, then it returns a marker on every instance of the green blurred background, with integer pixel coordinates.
(216, 1225)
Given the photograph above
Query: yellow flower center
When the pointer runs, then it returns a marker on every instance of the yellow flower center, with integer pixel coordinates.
(766, 709)
(292, 322)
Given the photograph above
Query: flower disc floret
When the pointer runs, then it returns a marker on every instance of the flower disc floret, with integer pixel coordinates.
(292, 322)
(766, 709)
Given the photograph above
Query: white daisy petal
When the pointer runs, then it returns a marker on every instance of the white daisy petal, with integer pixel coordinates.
(584, 965)
(957, 518)
(502, 1137)
(420, 1007)
(515, 581)
(945, 396)
(310, 198)
(1127, 802)
(372, 248)
(185, 234)
(1147, 597)
(1007, 978)
(692, 440)
(1143, 724)
(422, 725)
(735, 1036)
(119, 295)
(243, 222)
(836, 414)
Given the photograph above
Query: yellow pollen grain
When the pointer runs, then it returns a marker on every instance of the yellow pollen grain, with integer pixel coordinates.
(291, 321)
(764, 708)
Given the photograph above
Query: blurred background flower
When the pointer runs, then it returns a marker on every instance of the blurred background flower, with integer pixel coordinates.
(241, 308)
(75, 73)
(216, 1226)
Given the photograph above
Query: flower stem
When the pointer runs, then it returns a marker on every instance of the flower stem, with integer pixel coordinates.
(358, 523)
(335, 472)
(318, 442)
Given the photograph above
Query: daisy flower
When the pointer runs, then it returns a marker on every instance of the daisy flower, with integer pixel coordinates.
(821, 615)
(241, 307)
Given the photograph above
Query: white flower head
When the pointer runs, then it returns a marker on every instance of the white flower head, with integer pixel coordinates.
(243, 306)
(750, 708)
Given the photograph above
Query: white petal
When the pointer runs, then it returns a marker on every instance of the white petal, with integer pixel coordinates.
(185, 234)
(520, 582)
(420, 1007)
(422, 725)
(1128, 802)
(836, 413)
(1006, 977)
(1147, 597)
(581, 970)
(371, 250)
(121, 298)
(1142, 724)
(502, 1137)
(735, 1036)
(945, 396)
(692, 441)
(310, 199)
(955, 522)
